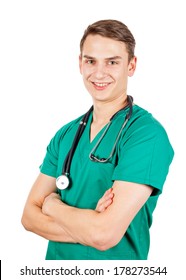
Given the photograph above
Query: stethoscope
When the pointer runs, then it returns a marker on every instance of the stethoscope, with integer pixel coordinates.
(63, 181)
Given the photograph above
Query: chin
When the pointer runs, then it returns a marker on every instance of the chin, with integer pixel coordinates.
(100, 95)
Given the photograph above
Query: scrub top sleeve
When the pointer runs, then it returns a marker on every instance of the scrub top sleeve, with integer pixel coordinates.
(49, 165)
(144, 156)
(50, 162)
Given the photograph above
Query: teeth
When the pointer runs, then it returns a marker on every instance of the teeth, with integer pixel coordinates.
(101, 84)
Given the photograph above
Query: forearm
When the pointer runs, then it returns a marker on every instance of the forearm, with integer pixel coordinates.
(84, 225)
(99, 230)
(35, 221)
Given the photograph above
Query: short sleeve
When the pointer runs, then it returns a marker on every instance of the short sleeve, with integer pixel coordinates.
(145, 154)
(50, 162)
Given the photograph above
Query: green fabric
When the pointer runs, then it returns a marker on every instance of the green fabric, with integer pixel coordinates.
(143, 155)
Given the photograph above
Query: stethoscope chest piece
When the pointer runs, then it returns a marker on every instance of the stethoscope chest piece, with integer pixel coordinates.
(62, 182)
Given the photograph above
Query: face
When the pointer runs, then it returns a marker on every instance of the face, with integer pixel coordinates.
(105, 68)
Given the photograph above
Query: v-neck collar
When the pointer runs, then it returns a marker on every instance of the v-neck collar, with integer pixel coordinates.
(88, 132)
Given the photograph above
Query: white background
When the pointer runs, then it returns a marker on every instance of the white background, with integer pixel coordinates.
(41, 90)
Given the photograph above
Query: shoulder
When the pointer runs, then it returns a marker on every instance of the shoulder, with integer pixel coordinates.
(144, 135)
(67, 128)
(58, 137)
(143, 123)
(62, 132)
(145, 151)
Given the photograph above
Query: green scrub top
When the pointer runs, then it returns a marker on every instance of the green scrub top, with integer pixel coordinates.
(142, 155)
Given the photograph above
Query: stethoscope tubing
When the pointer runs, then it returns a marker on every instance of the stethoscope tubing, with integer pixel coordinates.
(68, 159)
(104, 160)
(62, 181)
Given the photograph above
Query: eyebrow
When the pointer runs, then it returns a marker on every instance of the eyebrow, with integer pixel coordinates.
(108, 58)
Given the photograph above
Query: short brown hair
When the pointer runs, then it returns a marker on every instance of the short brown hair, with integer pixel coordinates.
(112, 29)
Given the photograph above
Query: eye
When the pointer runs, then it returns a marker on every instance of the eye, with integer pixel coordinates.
(112, 62)
(90, 61)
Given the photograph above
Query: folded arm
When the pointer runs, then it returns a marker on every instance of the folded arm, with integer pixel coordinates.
(101, 230)
(33, 218)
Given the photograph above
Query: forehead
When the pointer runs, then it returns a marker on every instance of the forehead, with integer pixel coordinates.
(96, 45)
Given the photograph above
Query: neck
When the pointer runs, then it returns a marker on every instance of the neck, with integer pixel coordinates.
(103, 112)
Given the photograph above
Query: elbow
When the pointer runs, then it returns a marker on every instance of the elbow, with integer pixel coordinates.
(25, 222)
(102, 246)
(104, 240)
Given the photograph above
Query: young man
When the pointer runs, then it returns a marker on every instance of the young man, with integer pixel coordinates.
(117, 168)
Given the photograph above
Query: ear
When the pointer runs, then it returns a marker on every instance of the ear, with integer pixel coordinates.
(80, 63)
(132, 66)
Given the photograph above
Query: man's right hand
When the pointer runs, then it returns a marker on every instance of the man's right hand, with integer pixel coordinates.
(105, 201)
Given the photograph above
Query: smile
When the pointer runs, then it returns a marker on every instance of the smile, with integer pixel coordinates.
(100, 86)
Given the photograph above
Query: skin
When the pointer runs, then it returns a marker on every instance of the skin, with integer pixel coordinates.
(105, 61)
(34, 218)
(105, 70)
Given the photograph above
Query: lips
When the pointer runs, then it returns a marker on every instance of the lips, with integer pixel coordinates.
(100, 86)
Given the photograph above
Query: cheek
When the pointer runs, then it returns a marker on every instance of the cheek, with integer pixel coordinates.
(86, 72)
(119, 75)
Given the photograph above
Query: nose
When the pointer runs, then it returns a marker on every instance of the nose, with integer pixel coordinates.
(100, 71)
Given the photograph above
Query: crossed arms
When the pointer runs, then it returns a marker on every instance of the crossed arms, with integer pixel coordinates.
(46, 215)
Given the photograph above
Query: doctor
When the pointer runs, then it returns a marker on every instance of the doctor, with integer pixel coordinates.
(117, 169)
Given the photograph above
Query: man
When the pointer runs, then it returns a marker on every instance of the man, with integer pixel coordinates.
(118, 167)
